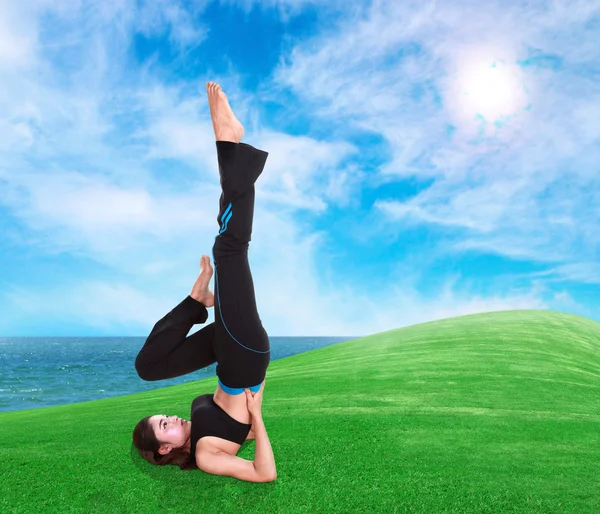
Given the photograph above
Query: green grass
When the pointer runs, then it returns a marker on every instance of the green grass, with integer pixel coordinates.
(495, 412)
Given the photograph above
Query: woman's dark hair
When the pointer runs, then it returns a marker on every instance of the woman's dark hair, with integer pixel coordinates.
(147, 444)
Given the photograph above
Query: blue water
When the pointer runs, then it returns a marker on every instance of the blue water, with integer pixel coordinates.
(40, 372)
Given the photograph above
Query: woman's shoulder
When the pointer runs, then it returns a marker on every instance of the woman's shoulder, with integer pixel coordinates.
(201, 400)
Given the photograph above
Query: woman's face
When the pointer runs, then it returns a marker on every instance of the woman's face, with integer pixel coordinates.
(171, 431)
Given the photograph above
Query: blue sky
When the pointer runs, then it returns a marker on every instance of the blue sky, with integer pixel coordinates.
(426, 160)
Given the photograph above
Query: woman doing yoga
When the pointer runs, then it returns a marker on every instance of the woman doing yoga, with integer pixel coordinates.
(220, 423)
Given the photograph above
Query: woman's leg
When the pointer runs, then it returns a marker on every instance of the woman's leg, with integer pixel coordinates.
(168, 353)
(241, 345)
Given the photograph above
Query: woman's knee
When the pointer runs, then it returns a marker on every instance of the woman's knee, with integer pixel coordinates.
(144, 370)
(229, 247)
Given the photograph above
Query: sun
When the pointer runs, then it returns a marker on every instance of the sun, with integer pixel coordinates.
(485, 91)
(490, 91)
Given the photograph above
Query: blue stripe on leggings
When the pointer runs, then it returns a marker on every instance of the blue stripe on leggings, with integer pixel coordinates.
(226, 211)
(221, 312)
(226, 222)
(238, 390)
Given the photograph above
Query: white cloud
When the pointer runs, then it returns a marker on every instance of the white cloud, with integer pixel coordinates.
(580, 272)
(18, 36)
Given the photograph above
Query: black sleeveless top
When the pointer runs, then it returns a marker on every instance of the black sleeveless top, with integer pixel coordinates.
(209, 419)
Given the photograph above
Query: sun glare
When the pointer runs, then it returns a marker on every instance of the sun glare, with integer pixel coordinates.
(489, 90)
(485, 91)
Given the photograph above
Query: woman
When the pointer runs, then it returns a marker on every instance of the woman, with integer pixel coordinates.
(236, 340)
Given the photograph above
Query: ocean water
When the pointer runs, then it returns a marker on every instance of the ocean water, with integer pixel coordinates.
(37, 372)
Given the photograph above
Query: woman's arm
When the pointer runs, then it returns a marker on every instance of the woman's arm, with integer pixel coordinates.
(264, 461)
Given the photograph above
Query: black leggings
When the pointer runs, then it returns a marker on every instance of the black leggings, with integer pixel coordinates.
(236, 340)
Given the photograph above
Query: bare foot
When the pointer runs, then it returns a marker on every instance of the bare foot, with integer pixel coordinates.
(226, 126)
(200, 292)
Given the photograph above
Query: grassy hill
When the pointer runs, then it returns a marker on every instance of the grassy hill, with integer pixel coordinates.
(494, 412)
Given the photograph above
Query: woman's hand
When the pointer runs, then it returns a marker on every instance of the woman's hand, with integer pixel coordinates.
(254, 400)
